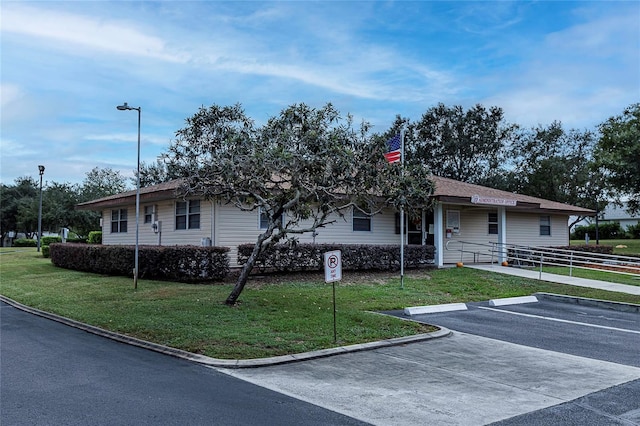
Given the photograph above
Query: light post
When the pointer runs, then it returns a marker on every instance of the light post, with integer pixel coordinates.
(126, 107)
(41, 170)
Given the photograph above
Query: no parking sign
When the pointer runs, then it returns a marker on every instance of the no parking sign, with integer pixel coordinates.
(332, 266)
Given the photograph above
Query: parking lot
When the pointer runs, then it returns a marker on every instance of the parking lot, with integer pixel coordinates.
(601, 330)
(514, 364)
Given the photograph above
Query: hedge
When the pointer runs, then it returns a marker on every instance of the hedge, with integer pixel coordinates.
(309, 257)
(634, 231)
(24, 242)
(45, 241)
(171, 263)
(95, 237)
(590, 248)
(606, 231)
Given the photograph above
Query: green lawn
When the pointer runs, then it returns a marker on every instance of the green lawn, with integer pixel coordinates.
(276, 315)
(633, 246)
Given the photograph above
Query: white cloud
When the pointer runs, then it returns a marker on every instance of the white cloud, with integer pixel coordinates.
(63, 30)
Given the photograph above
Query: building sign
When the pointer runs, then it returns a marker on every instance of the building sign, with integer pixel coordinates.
(479, 199)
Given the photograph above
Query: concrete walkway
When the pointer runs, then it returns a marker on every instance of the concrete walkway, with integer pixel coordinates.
(560, 279)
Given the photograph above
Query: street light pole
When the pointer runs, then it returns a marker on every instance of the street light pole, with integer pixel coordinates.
(41, 170)
(126, 107)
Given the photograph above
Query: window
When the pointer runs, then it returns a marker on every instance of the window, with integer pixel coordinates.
(545, 225)
(361, 220)
(148, 214)
(264, 219)
(493, 223)
(188, 214)
(119, 220)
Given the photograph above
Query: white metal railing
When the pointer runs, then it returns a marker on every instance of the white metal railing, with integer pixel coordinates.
(525, 256)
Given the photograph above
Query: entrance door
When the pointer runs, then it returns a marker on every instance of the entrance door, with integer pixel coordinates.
(429, 230)
(414, 228)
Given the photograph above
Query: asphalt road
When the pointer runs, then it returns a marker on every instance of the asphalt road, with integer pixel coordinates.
(52, 374)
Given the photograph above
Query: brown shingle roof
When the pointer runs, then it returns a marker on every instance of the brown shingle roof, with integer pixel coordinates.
(452, 190)
(446, 190)
(162, 191)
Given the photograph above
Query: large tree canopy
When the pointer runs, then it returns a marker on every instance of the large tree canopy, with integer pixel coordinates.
(100, 183)
(552, 163)
(618, 154)
(458, 144)
(303, 168)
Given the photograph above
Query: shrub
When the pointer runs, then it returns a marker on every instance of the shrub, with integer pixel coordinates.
(606, 231)
(172, 263)
(48, 240)
(95, 237)
(45, 251)
(634, 231)
(309, 257)
(76, 239)
(25, 242)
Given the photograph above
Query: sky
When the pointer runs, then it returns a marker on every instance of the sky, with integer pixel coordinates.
(65, 66)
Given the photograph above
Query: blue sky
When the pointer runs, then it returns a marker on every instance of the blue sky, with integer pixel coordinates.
(67, 65)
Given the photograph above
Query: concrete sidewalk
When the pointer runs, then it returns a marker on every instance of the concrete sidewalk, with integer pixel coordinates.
(560, 279)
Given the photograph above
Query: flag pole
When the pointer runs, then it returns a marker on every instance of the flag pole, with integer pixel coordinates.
(402, 212)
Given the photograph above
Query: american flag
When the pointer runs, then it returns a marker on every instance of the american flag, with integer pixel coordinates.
(394, 153)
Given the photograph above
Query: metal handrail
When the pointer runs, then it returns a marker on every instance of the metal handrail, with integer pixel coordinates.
(538, 256)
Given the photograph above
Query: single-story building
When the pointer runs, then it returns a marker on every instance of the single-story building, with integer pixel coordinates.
(465, 217)
(614, 214)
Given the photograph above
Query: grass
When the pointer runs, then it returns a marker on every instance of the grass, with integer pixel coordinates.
(632, 246)
(276, 315)
(593, 275)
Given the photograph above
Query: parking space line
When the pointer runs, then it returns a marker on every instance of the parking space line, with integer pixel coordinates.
(624, 330)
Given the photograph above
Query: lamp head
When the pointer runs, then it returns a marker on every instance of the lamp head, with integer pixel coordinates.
(123, 107)
(41, 169)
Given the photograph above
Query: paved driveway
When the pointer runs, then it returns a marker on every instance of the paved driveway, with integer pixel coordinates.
(459, 380)
(468, 379)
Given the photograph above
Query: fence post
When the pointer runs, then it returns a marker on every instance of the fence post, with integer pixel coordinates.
(541, 260)
(571, 265)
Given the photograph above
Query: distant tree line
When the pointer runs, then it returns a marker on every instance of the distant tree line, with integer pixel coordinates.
(19, 203)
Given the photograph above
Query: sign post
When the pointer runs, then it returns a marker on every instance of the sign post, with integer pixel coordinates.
(333, 273)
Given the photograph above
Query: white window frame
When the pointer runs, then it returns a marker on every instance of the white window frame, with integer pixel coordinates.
(361, 217)
(493, 224)
(119, 221)
(149, 213)
(546, 226)
(191, 211)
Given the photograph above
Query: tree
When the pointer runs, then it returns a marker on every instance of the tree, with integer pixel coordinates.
(459, 144)
(18, 207)
(618, 154)
(555, 164)
(303, 169)
(100, 183)
(155, 173)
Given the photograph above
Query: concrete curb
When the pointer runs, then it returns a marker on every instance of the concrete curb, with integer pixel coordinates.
(432, 309)
(228, 363)
(606, 304)
(506, 301)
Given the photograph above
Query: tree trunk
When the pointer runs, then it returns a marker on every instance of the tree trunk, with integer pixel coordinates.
(244, 274)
